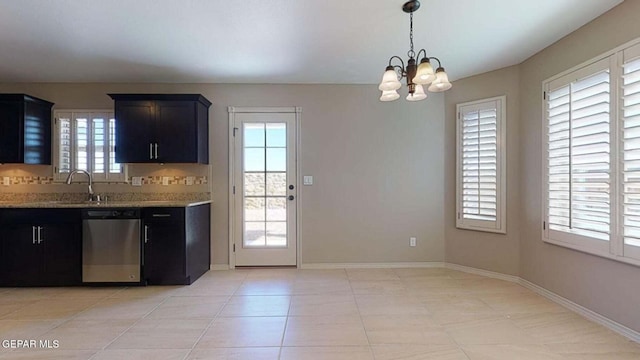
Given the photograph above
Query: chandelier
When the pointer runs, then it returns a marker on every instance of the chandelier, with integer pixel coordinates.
(417, 75)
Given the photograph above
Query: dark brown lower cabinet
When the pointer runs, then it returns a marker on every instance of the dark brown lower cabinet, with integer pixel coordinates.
(176, 244)
(43, 247)
(40, 247)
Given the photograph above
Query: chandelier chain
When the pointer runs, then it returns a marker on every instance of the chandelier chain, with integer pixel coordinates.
(411, 53)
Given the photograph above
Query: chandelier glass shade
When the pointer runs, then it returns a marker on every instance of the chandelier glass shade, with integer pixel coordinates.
(417, 75)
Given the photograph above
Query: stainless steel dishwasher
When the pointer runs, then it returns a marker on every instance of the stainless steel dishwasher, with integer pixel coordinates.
(111, 246)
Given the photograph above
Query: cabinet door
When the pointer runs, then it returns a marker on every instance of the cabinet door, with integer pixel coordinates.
(164, 254)
(10, 133)
(176, 131)
(62, 263)
(21, 256)
(135, 134)
(37, 133)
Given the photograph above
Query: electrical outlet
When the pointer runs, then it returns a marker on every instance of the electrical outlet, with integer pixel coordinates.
(189, 180)
(165, 180)
(6, 181)
(412, 241)
(136, 181)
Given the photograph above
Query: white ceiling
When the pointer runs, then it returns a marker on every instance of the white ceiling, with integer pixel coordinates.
(270, 41)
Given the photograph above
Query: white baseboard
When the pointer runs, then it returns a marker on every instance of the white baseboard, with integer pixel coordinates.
(589, 314)
(219, 267)
(486, 273)
(372, 265)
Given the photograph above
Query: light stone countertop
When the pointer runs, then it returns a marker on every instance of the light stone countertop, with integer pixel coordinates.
(102, 204)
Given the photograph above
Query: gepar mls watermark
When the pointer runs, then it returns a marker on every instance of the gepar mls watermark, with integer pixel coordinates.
(30, 344)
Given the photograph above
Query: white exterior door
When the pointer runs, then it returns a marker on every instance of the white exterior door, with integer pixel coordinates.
(264, 188)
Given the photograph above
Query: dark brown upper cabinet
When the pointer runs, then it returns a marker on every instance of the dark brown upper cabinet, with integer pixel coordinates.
(162, 128)
(25, 130)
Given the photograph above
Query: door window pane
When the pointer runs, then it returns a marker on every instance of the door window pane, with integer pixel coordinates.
(276, 184)
(277, 233)
(276, 159)
(254, 209)
(254, 135)
(276, 135)
(254, 234)
(254, 184)
(277, 209)
(254, 159)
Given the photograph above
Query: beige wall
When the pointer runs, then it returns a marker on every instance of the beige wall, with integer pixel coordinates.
(377, 167)
(484, 250)
(607, 287)
(604, 286)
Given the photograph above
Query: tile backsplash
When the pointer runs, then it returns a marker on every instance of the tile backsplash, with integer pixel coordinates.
(173, 180)
(146, 180)
(154, 178)
(130, 196)
(27, 180)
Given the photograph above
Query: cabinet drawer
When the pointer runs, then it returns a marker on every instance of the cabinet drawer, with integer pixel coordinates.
(40, 216)
(163, 214)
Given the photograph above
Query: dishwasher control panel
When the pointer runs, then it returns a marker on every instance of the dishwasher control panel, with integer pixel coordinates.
(111, 214)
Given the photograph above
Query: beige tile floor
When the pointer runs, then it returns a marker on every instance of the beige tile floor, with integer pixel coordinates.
(289, 314)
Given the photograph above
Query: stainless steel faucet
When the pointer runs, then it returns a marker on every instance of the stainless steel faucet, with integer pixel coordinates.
(70, 177)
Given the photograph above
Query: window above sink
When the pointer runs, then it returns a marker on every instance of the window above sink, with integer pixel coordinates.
(85, 140)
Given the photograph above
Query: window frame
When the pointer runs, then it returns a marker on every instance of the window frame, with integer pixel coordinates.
(500, 224)
(107, 176)
(615, 249)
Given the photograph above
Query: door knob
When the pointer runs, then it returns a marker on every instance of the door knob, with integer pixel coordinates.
(291, 197)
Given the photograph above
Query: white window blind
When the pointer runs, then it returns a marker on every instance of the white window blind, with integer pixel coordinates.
(85, 140)
(481, 161)
(592, 154)
(579, 156)
(631, 152)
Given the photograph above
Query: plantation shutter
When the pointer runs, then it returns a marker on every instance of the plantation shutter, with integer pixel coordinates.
(64, 134)
(480, 177)
(631, 151)
(579, 156)
(86, 141)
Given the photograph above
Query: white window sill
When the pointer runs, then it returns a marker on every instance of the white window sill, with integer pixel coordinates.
(607, 255)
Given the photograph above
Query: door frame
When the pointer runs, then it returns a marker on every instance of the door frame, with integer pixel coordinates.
(232, 170)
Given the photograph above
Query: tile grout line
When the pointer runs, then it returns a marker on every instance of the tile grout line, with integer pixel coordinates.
(286, 322)
(366, 334)
(64, 321)
(443, 328)
(446, 331)
(213, 320)
(132, 325)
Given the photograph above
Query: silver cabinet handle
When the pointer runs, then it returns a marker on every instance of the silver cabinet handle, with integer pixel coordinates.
(146, 234)
(150, 150)
(39, 234)
(161, 215)
(33, 234)
(156, 146)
